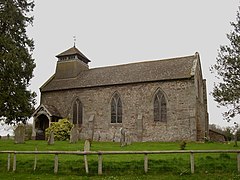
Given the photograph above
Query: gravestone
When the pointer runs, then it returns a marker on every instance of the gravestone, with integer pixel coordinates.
(117, 135)
(90, 128)
(139, 127)
(114, 137)
(87, 145)
(19, 134)
(128, 139)
(123, 137)
(74, 134)
(51, 138)
(112, 134)
(97, 136)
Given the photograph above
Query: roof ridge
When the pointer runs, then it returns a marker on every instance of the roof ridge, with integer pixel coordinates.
(145, 61)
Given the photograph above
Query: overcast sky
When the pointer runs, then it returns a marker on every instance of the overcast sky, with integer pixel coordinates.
(112, 32)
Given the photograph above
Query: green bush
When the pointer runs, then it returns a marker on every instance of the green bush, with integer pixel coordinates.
(61, 129)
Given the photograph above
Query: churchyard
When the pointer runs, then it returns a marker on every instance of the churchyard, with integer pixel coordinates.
(118, 166)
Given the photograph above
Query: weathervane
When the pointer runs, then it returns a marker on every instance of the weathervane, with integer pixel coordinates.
(74, 40)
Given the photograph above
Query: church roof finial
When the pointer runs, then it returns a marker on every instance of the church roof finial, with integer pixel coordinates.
(74, 41)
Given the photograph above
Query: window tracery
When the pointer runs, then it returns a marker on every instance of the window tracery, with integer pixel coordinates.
(160, 107)
(116, 109)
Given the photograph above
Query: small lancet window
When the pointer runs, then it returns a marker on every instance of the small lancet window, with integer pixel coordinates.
(77, 112)
(116, 109)
(160, 107)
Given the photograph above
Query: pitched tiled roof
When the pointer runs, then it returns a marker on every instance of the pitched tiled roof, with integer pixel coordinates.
(49, 109)
(53, 110)
(148, 71)
(73, 51)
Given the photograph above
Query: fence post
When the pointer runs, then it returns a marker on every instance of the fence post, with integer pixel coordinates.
(192, 162)
(35, 160)
(238, 161)
(99, 164)
(86, 163)
(14, 162)
(56, 163)
(145, 163)
(9, 162)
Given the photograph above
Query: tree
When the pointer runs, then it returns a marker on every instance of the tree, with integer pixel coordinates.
(228, 132)
(227, 69)
(16, 62)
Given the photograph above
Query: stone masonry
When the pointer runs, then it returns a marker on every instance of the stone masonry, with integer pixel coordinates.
(136, 98)
(187, 117)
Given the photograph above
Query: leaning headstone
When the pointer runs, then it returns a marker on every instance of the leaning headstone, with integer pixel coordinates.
(51, 138)
(74, 134)
(19, 134)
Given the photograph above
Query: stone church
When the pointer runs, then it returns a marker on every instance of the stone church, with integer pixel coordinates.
(158, 100)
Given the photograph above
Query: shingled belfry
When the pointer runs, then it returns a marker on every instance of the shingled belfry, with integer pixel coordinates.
(160, 100)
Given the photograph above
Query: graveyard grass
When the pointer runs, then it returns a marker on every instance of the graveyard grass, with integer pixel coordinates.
(166, 166)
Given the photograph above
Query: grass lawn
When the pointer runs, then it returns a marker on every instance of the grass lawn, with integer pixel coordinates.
(164, 166)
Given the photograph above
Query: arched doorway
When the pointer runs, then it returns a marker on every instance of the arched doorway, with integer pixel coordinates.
(41, 124)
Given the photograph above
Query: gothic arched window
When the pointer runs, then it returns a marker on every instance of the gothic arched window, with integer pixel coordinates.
(116, 109)
(77, 112)
(160, 107)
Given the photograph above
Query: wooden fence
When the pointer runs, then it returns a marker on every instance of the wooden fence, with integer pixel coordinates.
(101, 153)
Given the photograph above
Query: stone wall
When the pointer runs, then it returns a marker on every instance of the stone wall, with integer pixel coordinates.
(137, 103)
(216, 136)
(201, 104)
